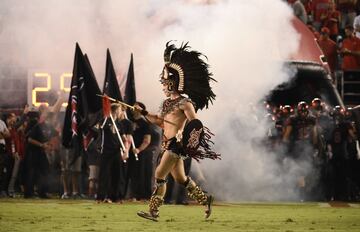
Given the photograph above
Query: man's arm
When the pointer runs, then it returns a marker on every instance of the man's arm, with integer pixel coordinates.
(145, 143)
(57, 106)
(155, 119)
(4, 133)
(287, 133)
(351, 131)
(315, 135)
(189, 110)
(357, 24)
(36, 142)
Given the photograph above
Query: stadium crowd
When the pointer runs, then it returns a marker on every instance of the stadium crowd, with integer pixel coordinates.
(336, 26)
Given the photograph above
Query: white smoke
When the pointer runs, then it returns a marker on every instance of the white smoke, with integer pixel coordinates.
(246, 43)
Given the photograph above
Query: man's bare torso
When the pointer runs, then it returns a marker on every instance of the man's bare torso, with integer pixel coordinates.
(178, 118)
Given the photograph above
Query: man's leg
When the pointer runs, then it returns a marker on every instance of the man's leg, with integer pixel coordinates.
(75, 170)
(194, 191)
(65, 174)
(167, 163)
(93, 179)
(11, 187)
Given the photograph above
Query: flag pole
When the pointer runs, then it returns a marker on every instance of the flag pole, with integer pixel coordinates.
(119, 136)
(127, 105)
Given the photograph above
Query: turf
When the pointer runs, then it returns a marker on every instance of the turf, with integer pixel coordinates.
(81, 215)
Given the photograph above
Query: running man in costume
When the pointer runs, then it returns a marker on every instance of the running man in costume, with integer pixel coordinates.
(185, 72)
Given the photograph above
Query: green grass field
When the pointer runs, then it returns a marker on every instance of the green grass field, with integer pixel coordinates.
(81, 215)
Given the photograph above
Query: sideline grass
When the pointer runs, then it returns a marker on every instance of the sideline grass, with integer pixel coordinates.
(69, 215)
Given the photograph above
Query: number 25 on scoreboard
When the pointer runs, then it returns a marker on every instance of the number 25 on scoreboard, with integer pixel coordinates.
(42, 83)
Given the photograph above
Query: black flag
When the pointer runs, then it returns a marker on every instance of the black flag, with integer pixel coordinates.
(83, 104)
(130, 92)
(111, 86)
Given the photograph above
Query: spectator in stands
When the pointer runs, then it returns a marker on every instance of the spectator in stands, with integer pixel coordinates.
(299, 10)
(320, 9)
(348, 12)
(328, 47)
(357, 26)
(350, 50)
(332, 21)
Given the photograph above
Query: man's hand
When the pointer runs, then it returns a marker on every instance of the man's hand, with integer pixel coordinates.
(140, 110)
(26, 109)
(124, 155)
(329, 155)
(136, 151)
(47, 147)
(16, 155)
(346, 51)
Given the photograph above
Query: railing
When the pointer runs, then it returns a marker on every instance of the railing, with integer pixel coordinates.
(348, 83)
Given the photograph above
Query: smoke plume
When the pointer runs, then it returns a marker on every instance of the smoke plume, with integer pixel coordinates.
(246, 43)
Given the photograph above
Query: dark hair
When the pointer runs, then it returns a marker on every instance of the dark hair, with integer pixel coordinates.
(349, 27)
(114, 107)
(142, 105)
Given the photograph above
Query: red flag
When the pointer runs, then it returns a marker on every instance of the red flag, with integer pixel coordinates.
(106, 106)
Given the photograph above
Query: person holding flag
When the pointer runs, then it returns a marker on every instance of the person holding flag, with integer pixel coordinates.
(116, 133)
(82, 113)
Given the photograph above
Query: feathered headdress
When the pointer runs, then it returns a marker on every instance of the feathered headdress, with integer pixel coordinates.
(186, 73)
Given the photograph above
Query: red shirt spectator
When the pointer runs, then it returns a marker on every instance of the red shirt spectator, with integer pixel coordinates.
(15, 143)
(328, 47)
(308, 7)
(351, 50)
(320, 9)
(332, 21)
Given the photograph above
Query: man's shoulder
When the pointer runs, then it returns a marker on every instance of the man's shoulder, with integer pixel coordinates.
(125, 121)
(186, 102)
(2, 125)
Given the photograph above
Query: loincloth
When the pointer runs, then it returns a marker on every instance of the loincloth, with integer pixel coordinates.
(174, 147)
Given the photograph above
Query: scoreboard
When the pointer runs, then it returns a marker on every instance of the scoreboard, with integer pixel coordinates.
(43, 86)
(20, 86)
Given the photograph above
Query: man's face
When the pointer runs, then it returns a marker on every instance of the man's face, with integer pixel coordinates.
(324, 36)
(303, 114)
(166, 90)
(348, 32)
(11, 119)
(135, 112)
(119, 112)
